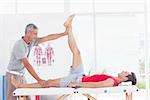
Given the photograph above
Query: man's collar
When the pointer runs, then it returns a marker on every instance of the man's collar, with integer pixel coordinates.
(25, 41)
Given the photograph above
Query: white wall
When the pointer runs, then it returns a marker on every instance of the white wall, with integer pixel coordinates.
(13, 29)
(118, 42)
(114, 36)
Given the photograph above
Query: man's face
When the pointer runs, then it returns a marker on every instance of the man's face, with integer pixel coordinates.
(123, 75)
(33, 35)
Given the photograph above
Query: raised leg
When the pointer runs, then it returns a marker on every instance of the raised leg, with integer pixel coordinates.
(73, 47)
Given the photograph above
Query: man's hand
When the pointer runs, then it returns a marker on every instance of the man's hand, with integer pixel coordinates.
(43, 83)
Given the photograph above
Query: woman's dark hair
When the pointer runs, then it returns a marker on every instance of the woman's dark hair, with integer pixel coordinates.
(132, 77)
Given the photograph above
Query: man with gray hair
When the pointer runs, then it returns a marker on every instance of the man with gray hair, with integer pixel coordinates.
(19, 58)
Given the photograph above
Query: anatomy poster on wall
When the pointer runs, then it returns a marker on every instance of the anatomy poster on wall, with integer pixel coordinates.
(43, 55)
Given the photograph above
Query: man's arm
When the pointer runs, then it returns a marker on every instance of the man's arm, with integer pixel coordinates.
(30, 69)
(51, 37)
(107, 83)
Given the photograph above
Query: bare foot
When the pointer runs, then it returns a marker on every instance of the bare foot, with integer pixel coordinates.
(68, 29)
(69, 20)
(14, 82)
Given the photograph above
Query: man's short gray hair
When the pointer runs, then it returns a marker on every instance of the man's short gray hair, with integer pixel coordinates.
(30, 27)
